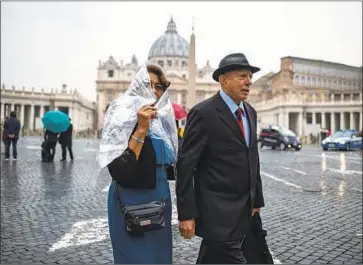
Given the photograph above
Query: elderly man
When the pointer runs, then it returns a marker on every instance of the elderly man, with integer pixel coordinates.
(218, 185)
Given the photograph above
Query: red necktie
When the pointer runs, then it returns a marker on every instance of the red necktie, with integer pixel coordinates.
(239, 113)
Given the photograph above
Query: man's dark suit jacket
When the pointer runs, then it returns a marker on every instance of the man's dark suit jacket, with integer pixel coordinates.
(11, 126)
(225, 173)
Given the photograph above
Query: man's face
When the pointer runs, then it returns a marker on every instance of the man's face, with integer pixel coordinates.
(237, 84)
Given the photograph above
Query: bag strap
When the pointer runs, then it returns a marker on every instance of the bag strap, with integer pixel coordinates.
(119, 202)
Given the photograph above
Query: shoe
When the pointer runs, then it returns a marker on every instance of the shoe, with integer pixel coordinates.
(7, 159)
(15, 159)
(63, 159)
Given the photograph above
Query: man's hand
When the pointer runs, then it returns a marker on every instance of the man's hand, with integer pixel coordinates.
(187, 228)
(256, 210)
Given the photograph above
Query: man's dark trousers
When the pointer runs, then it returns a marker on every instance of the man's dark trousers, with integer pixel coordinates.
(8, 142)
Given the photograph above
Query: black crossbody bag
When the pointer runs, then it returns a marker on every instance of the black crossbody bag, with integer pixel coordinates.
(143, 217)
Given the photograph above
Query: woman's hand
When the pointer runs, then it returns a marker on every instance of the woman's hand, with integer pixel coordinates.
(144, 115)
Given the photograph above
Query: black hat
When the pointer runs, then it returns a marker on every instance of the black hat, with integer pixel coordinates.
(231, 62)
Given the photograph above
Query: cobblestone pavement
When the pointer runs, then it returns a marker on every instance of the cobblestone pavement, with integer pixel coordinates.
(55, 213)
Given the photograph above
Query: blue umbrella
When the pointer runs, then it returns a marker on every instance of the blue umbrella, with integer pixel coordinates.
(56, 121)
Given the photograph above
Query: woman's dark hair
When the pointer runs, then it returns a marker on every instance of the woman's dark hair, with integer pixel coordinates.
(13, 114)
(157, 70)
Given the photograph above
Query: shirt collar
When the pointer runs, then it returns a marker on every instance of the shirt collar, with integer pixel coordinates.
(230, 103)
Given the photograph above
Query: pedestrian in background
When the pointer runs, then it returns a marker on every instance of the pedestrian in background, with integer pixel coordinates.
(65, 140)
(11, 135)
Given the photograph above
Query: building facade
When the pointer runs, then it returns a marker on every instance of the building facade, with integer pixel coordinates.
(189, 84)
(307, 95)
(304, 96)
(30, 106)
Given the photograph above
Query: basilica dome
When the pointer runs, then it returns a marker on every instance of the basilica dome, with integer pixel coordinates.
(171, 44)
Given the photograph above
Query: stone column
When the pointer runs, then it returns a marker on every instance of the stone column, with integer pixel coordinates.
(332, 122)
(332, 98)
(301, 124)
(41, 114)
(342, 121)
(70, 112)
(281, 120)
(323, 120)
(179, 98)
(314, 117)
(360, 121)
(287, 121)
(22, 112)
(31, 118)
(2, 112)
(351, 120)
(76, 120)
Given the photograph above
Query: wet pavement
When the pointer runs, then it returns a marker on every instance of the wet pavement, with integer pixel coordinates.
(56, 213)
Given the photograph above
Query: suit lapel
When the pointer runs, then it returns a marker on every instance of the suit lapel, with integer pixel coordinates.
(228, 118)
(251, 122)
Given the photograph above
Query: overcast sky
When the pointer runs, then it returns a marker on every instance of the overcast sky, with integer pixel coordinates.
(45, 45)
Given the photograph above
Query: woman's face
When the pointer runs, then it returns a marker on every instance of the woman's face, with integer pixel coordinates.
(156, 86)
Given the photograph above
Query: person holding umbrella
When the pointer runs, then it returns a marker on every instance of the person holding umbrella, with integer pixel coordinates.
(54, 122)
(65, 140)
(180, 114)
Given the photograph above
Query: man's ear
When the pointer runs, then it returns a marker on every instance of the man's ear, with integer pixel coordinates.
(222, 80)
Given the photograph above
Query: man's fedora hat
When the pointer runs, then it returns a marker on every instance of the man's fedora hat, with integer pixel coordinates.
(231, 62)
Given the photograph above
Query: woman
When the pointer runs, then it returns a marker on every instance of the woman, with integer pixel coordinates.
(139, 141)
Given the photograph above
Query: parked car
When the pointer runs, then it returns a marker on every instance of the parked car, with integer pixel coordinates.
(277, 136)
(342, 140)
